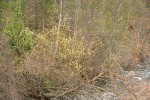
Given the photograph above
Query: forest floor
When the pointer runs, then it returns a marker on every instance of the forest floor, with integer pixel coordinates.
(134, 85)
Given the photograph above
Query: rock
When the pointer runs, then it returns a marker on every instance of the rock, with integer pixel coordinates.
(131, 73)
(110, 96)
(138, 79)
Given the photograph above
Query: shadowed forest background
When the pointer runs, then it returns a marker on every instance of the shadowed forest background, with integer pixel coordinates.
(53, 48)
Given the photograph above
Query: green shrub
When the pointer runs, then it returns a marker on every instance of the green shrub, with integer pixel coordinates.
(20, 37)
